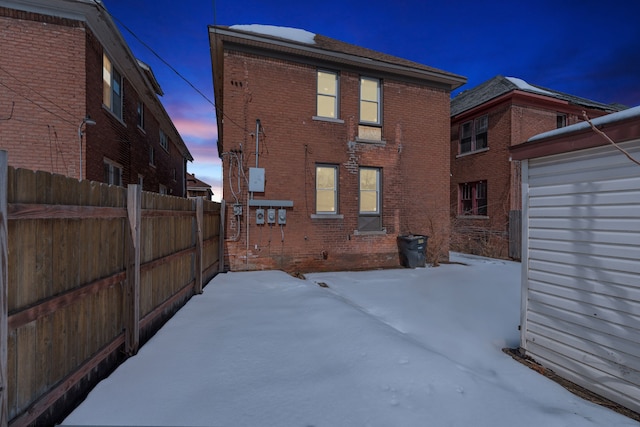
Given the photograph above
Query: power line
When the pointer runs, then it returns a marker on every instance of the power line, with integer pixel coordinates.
(173, 69)
(38, 105)
(101, 6)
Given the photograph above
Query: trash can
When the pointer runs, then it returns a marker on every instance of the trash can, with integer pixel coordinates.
(413, 250)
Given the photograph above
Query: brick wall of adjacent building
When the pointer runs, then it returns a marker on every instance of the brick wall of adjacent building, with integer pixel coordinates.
(510, 123)
(51, 75)
(41, 101)
(414, 162)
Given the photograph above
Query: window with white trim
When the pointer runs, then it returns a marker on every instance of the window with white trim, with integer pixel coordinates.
(112, 172)
(370, 199)
(327, 94)
(474, 135)
(473, 198)
(326, 189)
(111, 87)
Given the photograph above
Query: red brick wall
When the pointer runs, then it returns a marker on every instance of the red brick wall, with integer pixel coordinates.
(124, 142)
(414, 163)
(42, 95)
(510, 123)
(51, 70)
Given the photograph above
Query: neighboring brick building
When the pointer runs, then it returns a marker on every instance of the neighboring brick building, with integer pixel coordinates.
(352, 145)
(485, 184)
(198, 188)
(64, 61)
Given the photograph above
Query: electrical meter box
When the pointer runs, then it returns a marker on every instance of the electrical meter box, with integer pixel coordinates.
(259, 216)
(282, 216)
(256, 180)
(271, 216)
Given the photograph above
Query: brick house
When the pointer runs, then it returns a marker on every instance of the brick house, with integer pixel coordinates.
(329, 150)
(485, 183)
(198, 188)
(75, 101)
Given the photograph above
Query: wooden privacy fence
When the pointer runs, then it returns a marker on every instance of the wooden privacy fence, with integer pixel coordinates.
(89, 272)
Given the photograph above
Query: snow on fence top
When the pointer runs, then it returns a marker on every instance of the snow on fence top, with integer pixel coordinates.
(294, 34)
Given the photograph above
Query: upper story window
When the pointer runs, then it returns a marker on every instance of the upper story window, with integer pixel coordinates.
(561, 120)
(473, 198)
(473, 134)
(370, 101)
(112, 87)
(327, 94)
(164, 140)
(326, 189)
(152, 155)
(370, 197)
(140, 113)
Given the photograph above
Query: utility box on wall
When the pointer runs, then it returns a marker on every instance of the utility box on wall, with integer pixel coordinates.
(256, 180)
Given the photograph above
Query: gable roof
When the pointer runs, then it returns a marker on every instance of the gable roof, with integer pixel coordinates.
(195, 183)
(306, 47)
(307, 44)
(500, 85)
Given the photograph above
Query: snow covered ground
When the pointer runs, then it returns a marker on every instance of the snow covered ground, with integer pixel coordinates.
(406, 347)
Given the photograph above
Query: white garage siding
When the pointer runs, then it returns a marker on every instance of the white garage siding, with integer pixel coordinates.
(581, 268)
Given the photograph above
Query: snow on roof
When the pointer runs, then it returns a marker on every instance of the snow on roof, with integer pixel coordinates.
(629, 113)
(294, 34)
(521, 84)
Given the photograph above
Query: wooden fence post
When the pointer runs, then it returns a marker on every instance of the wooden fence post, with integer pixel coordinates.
(199, 239)
(132, 294)
(221, 231)
(4, 277)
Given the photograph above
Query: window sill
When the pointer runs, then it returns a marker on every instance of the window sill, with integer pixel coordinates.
(108, 110)
(327, 216)
(482, 150)
(327, 119)
(380, 142)
(152, 165)
(484, 217)
(370, 233)
(141, 129)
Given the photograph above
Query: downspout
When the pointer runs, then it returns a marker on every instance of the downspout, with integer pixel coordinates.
(246, 258)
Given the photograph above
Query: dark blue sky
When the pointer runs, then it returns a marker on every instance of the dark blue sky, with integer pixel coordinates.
(585, 48)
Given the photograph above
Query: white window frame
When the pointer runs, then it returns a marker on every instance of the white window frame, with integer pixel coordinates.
(333, 189)
(111, 168)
